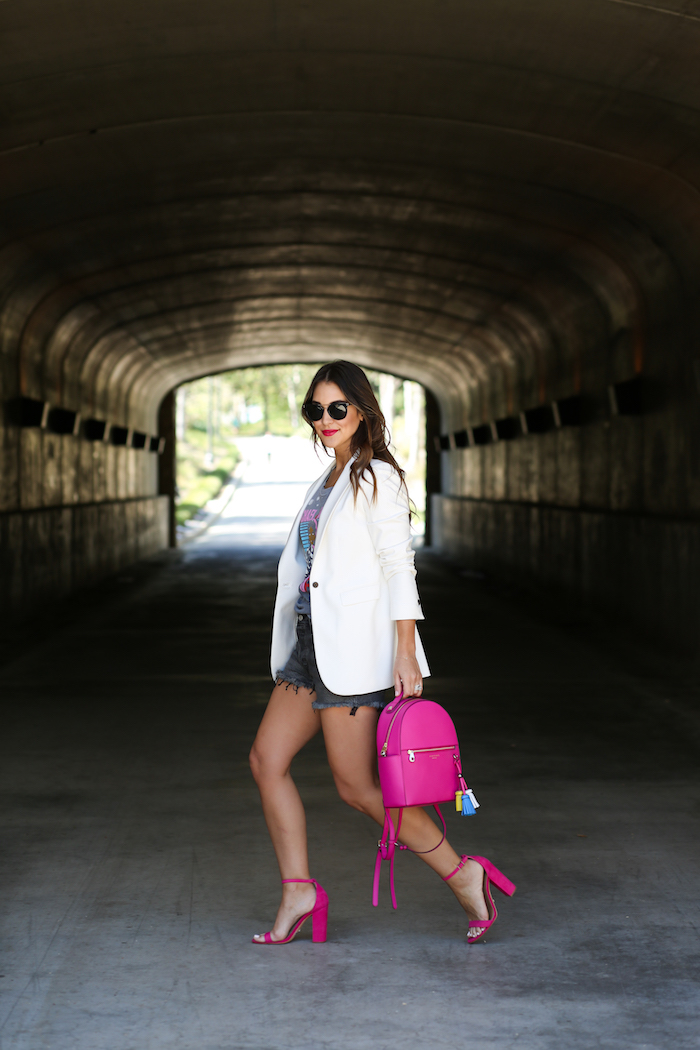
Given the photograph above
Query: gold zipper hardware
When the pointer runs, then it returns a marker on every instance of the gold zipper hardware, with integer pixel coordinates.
(385, 747)
(413, 751)
(419, 750)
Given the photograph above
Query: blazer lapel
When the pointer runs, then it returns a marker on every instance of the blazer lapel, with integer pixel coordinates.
(338, 489)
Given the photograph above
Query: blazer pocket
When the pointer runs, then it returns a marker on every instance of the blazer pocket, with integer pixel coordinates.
(360, 594)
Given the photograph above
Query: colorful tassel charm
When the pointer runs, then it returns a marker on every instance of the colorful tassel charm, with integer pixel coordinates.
(467, 805)
(465, 801)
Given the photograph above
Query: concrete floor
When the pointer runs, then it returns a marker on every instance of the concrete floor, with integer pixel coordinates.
(137, 865)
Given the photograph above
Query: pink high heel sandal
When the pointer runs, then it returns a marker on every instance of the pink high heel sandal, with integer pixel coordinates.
(491, 875)
(319, 917)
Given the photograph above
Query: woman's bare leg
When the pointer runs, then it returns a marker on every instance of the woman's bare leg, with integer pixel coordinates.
(289, 722)
(352, 750)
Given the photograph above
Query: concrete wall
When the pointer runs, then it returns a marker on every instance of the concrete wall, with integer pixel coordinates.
(47, 552)
(41, 469)
(72, 511)
(601, 516)
(604, 512)
(642, 569)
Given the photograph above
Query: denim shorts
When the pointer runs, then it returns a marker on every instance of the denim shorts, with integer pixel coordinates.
(300, 671)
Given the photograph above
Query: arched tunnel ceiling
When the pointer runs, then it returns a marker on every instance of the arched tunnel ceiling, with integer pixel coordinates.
(479, 196)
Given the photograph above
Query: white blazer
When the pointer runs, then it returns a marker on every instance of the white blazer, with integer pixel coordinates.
(362, 580)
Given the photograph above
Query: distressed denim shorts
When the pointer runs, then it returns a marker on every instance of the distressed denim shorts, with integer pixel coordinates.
(301, 671)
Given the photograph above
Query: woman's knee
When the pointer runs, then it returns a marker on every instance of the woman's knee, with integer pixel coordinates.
(262, 765)
(358, 796)
(255, 762)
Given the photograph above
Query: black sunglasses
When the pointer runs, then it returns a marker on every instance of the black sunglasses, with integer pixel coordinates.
(336, 410)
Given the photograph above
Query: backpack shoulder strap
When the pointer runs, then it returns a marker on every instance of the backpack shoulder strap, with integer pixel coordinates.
(386, 850)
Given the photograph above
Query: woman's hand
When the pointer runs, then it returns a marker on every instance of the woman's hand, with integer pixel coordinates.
(407, 674)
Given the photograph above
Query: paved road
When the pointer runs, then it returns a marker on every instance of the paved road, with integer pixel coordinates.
(275, 474)
(136, 863)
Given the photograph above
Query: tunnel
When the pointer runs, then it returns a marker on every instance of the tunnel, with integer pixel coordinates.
(497, 200)
(513, 224)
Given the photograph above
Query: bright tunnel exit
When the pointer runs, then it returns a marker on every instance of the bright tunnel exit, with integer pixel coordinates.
(245, 457)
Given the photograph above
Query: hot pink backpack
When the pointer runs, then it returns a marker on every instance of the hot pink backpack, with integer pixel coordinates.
(419, 765)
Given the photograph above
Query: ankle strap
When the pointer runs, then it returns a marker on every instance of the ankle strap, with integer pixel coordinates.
(298, 880)
(463, 861)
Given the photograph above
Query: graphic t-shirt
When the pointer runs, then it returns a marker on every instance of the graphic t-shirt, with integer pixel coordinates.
(308, 527)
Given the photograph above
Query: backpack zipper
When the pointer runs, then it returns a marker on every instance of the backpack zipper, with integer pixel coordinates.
(385, 746)
(413, 751)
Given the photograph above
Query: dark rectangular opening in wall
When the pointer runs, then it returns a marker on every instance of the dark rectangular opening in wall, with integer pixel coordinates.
(119, 435)
(138, 440)
(539, 420)
(462, 439)
(508, 428)
(94, 429)
(28, 412)
(626, 397)
(156, 444)
(482, 434)
(569, 411)
(63, 421)
(444, 442)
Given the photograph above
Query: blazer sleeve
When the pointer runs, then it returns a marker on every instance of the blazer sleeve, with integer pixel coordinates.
(390, 529)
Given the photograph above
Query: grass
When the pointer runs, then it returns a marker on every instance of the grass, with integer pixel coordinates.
(197, 483)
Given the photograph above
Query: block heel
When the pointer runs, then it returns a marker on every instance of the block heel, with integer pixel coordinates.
(319, 918)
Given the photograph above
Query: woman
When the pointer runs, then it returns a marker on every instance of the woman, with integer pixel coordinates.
(344, 630)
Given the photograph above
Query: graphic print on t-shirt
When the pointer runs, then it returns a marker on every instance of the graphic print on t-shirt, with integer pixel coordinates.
(308, 530)
(308, 527)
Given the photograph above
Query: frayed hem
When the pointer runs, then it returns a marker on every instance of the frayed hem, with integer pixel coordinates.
(320, 706)
(296, 686)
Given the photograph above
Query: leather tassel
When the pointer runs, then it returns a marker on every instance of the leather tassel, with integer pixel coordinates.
(469, 803)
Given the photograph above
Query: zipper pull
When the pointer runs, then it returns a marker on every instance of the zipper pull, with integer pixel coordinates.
(411, 756)
(384, 749)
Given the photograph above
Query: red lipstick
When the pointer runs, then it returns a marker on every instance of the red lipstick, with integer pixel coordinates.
(328, 433)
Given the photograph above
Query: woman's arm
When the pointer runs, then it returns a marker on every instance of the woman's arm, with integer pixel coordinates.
(389, 526)
(407, 675)
(388, 522)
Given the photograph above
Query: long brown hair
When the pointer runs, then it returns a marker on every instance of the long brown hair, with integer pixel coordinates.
(371, 438)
